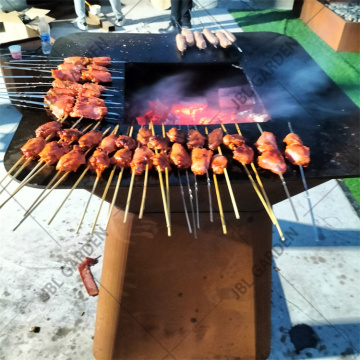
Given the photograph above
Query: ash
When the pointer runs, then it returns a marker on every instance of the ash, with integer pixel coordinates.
(349, 11)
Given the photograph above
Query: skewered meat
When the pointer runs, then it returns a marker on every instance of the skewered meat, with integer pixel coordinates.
(223, 40)
(78, 60)
(89, 110)
(108, 144)
(127, 142)
(200, 159)
(180, 42)
(199, 40)
(53, 151)
(66, 75)
(244, 154)
(96, 76)
(90, 139)
(272, 160)
(175, 135)
(60, 105)
(189, 37)
(69, 135)
(94, 87)
(218, 164)
(158, 142)
(48, 129)
(232, 141)
(122, 158)
(180, 157)
(143, 136)
(70, 66)
(210, 37)
(295, 151)
(62, 91)
(215, 138)
(266, 141)
(229, 35)
(142, 157)
(72, 160)
(86, 276)
(96, 67)
(161, 160)
(99, 161)
(32, 147)
(67, 85)
(101, 61)
(195, 139)
(82, 100)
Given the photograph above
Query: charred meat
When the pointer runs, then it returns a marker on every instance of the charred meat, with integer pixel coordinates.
(215, 138)
(99, 161)
(127, 142)
(108, 144)
(195, 139)
(53, 151)
(158, 142)
(122, 158)
(32, 147)
(200, 159)
(48, 129)
(244, 154)
(72, 160)
(176, 136)
(142, 157)
(180, 157)
(90, 139)
(69, 135)
(161, 160)
(232, 141)
(218, 164)
(143, 136)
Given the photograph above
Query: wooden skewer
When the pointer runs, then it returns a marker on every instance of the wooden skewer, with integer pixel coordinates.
(168, 225)
(78, 180)
(143, 199)
(30, 211)
(222, 217)
(184, 202)
(114, 197)
(13, 168)
(129, 195)
(167, 185)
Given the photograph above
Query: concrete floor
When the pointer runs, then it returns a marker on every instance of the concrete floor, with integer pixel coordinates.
(315, 282)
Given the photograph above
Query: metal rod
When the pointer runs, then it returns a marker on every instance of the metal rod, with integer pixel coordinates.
(191, 202)
(26, 68)
(210, 199)
(184, 202)
(196, 202)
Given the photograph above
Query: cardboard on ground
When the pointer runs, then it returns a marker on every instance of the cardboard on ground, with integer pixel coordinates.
(13, 29)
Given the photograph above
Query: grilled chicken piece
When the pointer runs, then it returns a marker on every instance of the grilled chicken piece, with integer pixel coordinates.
(143, 136)
(96, 76)
(101, 61)
(62, 91)
(200, 159)
(48, 129)
(90, 100)
(108, 144)
(70, 66)
(272, 160)
(94, 86)
(142, 156)
(78, 60)
(162, 160)
(89, 110)
(53, 151)
(99, 161)
(215, 138)
(180, 157)
(127, 142)
(96, 67)
(88, 93)
(32, 147)
(59, 84)
(232, 141)
(195, 139)
(72, 160)
(266, 141)
(66, 75)
(293, 139)
(90, 139)
(158, 142)
(244, 154)
(69, 135)
(122, 158)
(218, 164)
(176, 136)
(60, 105)
(298, 154)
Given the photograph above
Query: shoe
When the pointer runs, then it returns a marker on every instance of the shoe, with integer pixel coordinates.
(81, 26)
(187, 26)
(170, 29)
(120, 21)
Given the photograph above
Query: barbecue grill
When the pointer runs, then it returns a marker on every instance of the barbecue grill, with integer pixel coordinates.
(290, 86)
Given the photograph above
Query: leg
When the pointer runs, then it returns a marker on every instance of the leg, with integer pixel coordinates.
(80, 11)
(186, 5)
(176, 12)
(116, 7)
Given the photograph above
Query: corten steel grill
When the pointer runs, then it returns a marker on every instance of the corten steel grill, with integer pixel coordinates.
(290, 86)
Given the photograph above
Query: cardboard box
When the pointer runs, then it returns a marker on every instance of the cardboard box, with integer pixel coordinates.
(13, 29)
(330, 27)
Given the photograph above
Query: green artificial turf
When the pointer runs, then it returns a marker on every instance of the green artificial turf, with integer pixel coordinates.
(343, 68)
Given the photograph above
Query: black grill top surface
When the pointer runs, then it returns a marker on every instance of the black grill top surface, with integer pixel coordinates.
(288, 81)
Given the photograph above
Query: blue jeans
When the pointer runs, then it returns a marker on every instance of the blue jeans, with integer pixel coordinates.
(80, 10)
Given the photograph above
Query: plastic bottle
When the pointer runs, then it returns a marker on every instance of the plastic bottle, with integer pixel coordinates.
(44, 30)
